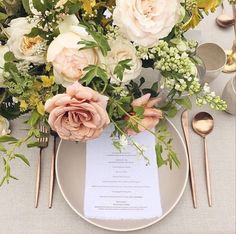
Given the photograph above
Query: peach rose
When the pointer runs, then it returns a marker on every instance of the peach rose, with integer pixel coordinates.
(151, 114)
(79, 114)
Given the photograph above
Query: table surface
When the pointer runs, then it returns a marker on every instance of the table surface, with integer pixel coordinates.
(17, 215)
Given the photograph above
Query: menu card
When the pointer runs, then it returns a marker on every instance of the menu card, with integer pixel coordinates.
(121, 185)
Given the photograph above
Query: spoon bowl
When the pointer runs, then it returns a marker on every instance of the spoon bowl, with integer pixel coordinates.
(224, 20)
(203, 124)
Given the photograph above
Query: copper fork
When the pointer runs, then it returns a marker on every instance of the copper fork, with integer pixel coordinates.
(43, 143)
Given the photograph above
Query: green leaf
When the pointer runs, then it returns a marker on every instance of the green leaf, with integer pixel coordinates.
(10, 67)
(13, 177)
(34, 118)
(184, 102)
(175, 159)
(101, 73)
(9, 56)
(37, 31)
(39, 6)
(139, 110)
(2, 148)
(26, 6)
(23, 158)
(121, 67)
(87, 44)
(97, 33)
(2, 181)
(3, 16)
(33, 144)
(88, 77)
(159, 151)
(7, 138)
(92, 72)
(73, 6)
(171, 112)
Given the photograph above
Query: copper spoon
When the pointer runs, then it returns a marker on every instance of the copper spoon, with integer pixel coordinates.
(224, 20)
(203, 124)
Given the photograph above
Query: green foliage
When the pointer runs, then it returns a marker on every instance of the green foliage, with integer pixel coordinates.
(153, 90)
(135, 88)
(34, 119)
(121, 67)
(98, 36)
(137, 91)
(164, 146)
(169, 109)
(9, 109)
(23, 158)
(26, 6)
(92, 72)
(184, 102)
(7, 138)
(9, 57)
(3, 16)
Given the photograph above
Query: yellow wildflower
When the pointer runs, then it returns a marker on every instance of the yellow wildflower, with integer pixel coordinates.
(40, 108)
(193, 21)
(196, 16)
(23, 105)
(209, 5)
(48, 81)
(88, 5)
(33, 100)
(37, 85)
(48, 67)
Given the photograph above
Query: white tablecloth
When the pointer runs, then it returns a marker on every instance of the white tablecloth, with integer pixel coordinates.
(17, 215)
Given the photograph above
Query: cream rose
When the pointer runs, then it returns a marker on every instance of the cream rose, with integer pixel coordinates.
(3, 50)
(122, 49)
(146, 21)
(79, 114)
(31, 49)
(4, 126)
(67, 60)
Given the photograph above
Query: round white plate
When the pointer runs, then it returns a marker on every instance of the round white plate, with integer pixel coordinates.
(70, 172)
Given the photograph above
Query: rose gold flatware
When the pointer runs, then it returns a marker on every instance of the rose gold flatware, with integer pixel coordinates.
(43, 143)
(224, 20)
(185, 126)
(230, 65)
(203, 125)
(52, 171)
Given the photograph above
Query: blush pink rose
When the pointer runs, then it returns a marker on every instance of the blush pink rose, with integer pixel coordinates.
(79, 114)
(151, 114)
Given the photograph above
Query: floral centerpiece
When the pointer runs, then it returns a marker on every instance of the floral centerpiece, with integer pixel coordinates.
(76, 65)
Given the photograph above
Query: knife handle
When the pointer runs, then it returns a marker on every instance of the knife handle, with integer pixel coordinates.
(185, 126)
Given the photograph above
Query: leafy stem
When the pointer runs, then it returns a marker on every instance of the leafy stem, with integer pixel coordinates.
(132, 141)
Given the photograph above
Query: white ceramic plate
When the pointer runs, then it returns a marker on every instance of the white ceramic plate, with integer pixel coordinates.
(70, 172)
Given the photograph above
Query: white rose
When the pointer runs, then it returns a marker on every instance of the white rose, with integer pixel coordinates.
(146, 21)
(67, 60)
(3, 50)
(4, 126)
(122, 49)
(68, 23)
(31, 49)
